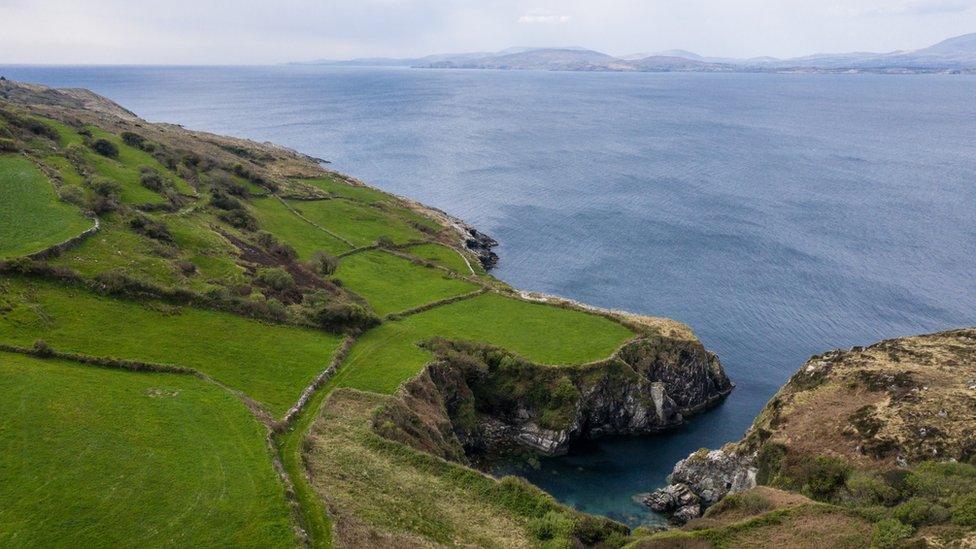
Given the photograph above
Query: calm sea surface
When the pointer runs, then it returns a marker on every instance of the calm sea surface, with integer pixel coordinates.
(778, 215)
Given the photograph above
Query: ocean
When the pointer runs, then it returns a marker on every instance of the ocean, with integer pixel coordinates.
(778, 215)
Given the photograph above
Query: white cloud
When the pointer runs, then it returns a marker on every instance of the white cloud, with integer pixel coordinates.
(544, 18)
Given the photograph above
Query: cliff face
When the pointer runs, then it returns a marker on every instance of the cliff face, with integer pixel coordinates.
(476, 399)
(889, 406)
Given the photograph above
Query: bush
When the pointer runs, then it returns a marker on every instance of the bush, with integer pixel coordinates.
(889, 532)
(322, 310)
(385, 242)
(323, 263)
(72, 195)
(9, 145)
(276, 278)
(42, 349)
(964, 513)
(239, 219)
(552, 525)
(133, 139)
(919, 512)
(105, 147)
(105, 187)
(151, 228)
(225, 202)
(151, 180)
(867, 489)
(823, 476)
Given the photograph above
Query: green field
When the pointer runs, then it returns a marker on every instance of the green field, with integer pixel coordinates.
(274, 217)
(393, 284)
(337, 188)
(93, 457)
(271, 363)
(441, 255)
(135, 159)
(357, 223)
(31, 216)
(386, 356)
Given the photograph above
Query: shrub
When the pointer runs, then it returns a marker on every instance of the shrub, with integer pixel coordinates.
(867, 489)
(889, 532)
(824, 475)
(964, 513)
(133, 139)
(919, 512)
(105, 147)
(385, 242)
(105, 187)
(239, 219)
(322, 310)
(225, 202)
(9, 145)
(552, 525)
(323, 263)
(276, 278)
(186, 267)
(151, 180)
(151, 228)
(42, 349)
(72, 195)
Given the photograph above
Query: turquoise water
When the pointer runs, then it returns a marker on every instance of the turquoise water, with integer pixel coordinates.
(778, 215)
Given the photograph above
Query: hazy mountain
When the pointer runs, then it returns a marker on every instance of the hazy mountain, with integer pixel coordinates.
(954, 54)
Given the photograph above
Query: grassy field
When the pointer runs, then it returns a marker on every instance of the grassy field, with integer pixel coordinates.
(386, 356)
(392, 284)
(271, 363)
(441, 255)
(357, 223)
(338, 188)
(274, 217)
(31, 216)
(93, 457)
(389, 495)
(135, 159)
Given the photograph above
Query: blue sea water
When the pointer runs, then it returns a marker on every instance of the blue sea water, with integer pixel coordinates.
(778, 215)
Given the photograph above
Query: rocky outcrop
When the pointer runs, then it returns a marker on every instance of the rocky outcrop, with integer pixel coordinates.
(890, 405)
(476, 399)
(701, 480)
(481, 244)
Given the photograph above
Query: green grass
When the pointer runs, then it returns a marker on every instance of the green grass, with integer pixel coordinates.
(31, 216)
(93, 457)
(393, 284)
(386, 356)
(128, 177)
(335, 187)
(271, 363)
(135, 159)
(441, 255)
(116, 248)
(275, 218)
(66, 134)
(67, 170)
(358, 223)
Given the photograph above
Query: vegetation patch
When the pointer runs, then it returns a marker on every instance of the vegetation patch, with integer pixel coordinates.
(442, 255)
(388, 355)
(275, 217)
(382, 493)
(31, 216)
(360, 224)
(392, 284)
(271, 363)
(111, 458)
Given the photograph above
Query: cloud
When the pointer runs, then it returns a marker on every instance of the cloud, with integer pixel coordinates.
(906, 7)
(544, 18)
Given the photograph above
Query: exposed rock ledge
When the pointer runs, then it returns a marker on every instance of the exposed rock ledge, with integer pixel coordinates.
(890, 405)
(475, 399)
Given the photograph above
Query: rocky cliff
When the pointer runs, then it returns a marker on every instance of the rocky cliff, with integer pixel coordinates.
(475, 399)
(844, 417)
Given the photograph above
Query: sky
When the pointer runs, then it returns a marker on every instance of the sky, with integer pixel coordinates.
(249, 32)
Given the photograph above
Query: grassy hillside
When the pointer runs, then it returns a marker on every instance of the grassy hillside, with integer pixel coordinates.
(388, 355)
(31, 217)
(270, 363)
(249, 264)
(93, 457)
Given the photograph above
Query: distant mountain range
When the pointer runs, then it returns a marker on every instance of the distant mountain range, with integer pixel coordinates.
(949, 56)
